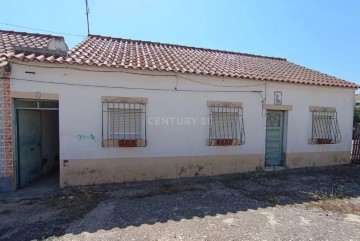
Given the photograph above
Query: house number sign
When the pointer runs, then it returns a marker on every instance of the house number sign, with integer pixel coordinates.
(38, 94)
(277, 98)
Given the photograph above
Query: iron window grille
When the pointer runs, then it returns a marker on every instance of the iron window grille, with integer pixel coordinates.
(124, 122)
(226, 126)
(325, 127)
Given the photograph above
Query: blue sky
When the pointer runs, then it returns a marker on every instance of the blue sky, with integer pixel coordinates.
(322, 35)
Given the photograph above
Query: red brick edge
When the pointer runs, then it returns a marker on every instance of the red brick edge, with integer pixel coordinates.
(7, 124)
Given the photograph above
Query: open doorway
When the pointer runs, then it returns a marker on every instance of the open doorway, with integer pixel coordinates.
(37, 140)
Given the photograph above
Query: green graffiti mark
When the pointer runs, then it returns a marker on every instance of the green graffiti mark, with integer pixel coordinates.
(90, 137)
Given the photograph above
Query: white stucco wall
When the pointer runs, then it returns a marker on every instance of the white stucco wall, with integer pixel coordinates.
(299, 119)
(80, 111)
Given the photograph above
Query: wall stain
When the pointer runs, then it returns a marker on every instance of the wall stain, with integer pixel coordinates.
(182, 170)
(196, 168)
(297, 161)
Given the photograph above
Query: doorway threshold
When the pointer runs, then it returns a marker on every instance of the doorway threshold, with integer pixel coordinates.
(274, 168)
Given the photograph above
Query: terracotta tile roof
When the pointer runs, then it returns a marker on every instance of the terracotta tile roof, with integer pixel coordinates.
(103, 51)
(125, 53)
(9, 40)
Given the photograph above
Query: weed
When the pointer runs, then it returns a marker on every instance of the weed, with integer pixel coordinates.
(165, 189)
(230, 183)
(74, 203)
(259, 177)
(343, 206)
(273, 197)
(263, 181)
(230, 180)
(337, 191)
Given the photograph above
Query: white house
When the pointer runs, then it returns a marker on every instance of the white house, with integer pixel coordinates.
(118, 110)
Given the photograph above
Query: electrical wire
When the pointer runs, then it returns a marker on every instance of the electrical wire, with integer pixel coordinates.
(263, 98)
(137, 88)
(86, 70)
(224, 86)
(42, 30)
(177, 81)
(263, 101)
(128, 72)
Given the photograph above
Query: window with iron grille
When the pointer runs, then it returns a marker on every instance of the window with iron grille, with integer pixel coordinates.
(325, 128)
(226, 124)
(123, 121)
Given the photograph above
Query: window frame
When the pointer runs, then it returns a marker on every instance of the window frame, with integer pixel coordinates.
(324, 126)
(230, 134)
(126, 106)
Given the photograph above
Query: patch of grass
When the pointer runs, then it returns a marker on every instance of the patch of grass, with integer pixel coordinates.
(165, 189)
(230, 180)
(229, 183)
(273, 197)
(263, 181)
(259, 177)
(343, 206)
(337, 191)
(74, 203)
(281, 175)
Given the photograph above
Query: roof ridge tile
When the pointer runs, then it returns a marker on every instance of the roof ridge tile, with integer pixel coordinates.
(29, 34)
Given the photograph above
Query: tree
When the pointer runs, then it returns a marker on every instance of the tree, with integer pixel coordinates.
(356, 114)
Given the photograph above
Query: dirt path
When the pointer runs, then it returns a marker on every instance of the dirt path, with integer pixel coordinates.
(318, 204)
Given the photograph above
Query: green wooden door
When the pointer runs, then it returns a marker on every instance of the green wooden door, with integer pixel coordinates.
(29, 137)
(274, 138)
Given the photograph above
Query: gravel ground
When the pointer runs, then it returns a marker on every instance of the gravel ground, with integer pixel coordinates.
(304, 204)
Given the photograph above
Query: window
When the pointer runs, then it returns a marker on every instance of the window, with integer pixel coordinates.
(123, 121)
(325, 127)
(226, 124)
(125, 124)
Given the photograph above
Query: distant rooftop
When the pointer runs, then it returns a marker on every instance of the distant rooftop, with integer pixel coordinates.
(22, 44)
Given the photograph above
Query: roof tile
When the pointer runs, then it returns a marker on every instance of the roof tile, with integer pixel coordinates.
(11, 39)
(125, 53)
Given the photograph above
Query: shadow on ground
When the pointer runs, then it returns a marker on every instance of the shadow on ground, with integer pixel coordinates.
(89, 209)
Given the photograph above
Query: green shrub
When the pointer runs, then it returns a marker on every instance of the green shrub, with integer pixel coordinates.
(356, 114)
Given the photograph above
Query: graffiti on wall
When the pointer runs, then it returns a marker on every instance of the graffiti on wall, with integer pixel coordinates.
(88, 137)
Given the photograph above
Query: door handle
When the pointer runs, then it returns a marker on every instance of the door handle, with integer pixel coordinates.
(32, 148)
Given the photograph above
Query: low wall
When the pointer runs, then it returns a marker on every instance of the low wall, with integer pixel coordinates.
(118, 170)
(316, 159)
(95, 171)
